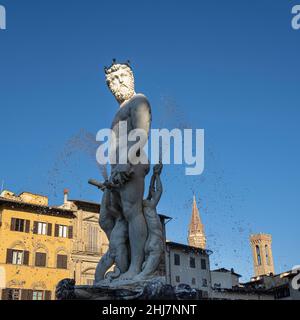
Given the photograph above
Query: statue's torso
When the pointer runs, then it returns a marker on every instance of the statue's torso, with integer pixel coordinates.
(125, 114)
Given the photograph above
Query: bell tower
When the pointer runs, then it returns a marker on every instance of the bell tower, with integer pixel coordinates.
(196, 235)
(262, 254)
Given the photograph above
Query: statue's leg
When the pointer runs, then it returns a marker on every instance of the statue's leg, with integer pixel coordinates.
(103, 265)
(106, 221)
(131, 199)
(150, 265)
(119, 237)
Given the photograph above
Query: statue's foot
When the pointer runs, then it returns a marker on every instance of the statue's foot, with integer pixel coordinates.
(104, 282)
(129, 275)
(139, 277)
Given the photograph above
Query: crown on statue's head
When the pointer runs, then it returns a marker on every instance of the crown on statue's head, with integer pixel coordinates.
(115, 66)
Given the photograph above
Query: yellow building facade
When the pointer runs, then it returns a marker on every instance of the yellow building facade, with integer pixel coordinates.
(35, 246)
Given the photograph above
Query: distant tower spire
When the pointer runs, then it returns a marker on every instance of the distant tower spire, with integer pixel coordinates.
(196, 235)
(262, 254)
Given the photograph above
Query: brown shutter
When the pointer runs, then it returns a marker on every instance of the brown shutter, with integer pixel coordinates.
(6, 294)
(40, 259)
(62, 261)
(26, 294)
(27, 226)
(65, 262)
(9, 256)
(56, 230)
(43, 259)
(26, 258)
(37, 259)
(47, 295)
(70, 232)
(35, 227)
(49, 229)
(58, 261)
(13, 224)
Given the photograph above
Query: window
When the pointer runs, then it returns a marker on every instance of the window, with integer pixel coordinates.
(204, 282)
(17, 257)
(42, 228)
(19, 225)
(93, 244)
(267, 255)
(192, 262)
(63, 231)
(90, 282)
(203, 264)
(258, 255)
(193, 281)
(62, 261)
(38, 295)
(177, 278)
(177, 259)
(14, 294)
(40, 259)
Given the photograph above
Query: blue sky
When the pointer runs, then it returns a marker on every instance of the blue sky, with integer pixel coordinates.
(229, 67)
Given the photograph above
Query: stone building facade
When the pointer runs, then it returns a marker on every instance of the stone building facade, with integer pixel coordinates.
(90, 242)
(261, 245)
(188, 265)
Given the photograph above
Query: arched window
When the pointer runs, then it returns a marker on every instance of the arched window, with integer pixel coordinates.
(267, 255)
(258, 255)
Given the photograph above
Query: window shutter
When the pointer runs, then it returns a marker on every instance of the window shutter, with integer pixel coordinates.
(26, 258)
(35, 227)
(65, 262)
(13, 224)
(59, 262)
(9, 256)
(37, 259)
(6, 294)
(47, 295)
(27, 227)
(62, 261)
(56, 230)
(40, 259)
(43, 259)
(49, 229)
(26, 294)
(70, 232)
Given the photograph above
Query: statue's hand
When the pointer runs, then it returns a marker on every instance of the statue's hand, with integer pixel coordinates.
(120, 178)
(157, 169)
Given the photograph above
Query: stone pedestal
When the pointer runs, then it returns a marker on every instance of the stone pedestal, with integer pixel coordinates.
(152, 289)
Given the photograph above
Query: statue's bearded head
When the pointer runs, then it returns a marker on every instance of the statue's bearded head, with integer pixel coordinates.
(120, 80)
